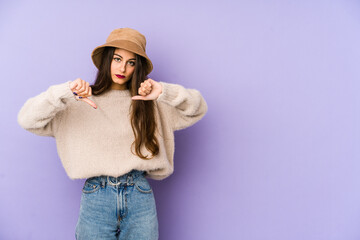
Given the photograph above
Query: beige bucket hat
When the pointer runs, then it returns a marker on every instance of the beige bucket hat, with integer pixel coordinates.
(125, 38)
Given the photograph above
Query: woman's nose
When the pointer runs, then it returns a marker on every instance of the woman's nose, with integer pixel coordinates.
(122, 67)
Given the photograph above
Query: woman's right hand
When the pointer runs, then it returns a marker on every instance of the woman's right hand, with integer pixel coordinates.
(82, 90)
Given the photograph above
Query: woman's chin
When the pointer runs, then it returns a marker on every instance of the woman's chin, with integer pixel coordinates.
(120, 81)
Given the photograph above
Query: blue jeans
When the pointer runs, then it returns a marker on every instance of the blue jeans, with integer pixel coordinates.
(117, 208)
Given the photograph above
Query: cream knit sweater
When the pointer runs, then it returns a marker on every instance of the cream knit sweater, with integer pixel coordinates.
(92, 142)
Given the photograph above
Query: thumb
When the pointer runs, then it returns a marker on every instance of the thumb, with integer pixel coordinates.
(138, 98)
(88, 101)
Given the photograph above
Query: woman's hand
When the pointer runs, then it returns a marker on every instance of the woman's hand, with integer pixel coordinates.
(82, 90)
(149, 90)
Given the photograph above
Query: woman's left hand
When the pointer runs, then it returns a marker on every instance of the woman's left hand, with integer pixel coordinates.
(149, 90)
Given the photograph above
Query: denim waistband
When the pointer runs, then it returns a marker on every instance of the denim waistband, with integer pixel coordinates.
(127, 178)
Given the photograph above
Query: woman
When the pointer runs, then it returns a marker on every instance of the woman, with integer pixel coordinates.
(126, 136)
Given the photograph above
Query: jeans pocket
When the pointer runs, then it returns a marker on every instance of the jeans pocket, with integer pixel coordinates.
(91, 185)
(142, 185)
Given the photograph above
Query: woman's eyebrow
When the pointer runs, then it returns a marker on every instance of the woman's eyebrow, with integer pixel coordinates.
(122, 57)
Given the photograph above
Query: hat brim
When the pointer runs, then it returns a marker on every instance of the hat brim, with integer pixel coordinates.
(124, 44)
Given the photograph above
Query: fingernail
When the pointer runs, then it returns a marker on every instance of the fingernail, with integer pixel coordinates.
(75, 93)
(80, 97)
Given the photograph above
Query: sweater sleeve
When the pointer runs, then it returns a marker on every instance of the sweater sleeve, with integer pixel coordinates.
(39, 114)
(185, 106)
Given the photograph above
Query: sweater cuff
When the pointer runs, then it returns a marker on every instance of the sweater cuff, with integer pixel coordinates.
(63, 91)
(168, 93)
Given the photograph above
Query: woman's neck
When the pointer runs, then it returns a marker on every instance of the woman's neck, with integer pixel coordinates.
(115, 86)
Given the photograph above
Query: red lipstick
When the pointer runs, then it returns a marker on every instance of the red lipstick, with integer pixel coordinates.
(120, 76)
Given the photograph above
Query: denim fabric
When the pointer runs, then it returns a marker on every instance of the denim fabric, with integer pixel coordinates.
(117, 208)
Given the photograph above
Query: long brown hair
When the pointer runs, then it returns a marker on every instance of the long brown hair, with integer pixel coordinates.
(142, 111)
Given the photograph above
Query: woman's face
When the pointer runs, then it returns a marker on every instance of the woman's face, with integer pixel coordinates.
(122, 68)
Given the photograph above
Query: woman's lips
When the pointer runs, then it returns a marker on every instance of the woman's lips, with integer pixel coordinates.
(119, 76)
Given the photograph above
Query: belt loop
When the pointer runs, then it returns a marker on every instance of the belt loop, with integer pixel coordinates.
(103, 182)
(129, 179)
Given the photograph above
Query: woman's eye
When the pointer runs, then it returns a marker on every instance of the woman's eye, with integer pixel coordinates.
(117, 59)
(132, 63)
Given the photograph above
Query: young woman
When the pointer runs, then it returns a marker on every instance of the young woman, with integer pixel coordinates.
(115, 134)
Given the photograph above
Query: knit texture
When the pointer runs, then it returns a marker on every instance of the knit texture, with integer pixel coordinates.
(92, 142)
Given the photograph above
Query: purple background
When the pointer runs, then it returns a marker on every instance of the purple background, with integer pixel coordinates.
(276, 156)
